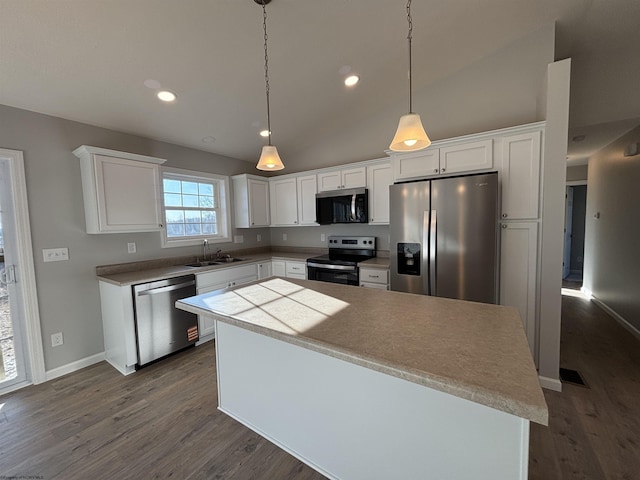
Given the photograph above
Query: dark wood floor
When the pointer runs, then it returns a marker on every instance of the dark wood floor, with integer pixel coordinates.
(593, 433)
(162, 421)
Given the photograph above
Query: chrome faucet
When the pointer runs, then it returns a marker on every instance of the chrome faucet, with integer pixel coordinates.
(205, 243)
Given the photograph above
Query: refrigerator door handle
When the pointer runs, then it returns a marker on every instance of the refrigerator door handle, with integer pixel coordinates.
(433, 257)
(426, 286)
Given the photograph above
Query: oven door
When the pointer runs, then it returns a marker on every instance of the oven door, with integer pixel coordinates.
(344, 274)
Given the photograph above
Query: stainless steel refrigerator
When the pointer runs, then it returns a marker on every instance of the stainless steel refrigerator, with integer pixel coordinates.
(443, 237)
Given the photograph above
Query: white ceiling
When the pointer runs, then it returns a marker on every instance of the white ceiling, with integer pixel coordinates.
(87, 60)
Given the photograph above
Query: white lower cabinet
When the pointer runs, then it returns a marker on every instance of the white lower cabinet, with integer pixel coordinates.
(290, 269)
(265, 270)
(518, 265)
(217, 280)
(374, 278)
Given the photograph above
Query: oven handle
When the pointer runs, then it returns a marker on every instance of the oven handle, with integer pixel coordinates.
(332, 267)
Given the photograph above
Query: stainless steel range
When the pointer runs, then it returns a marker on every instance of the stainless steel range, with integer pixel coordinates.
(340, 265)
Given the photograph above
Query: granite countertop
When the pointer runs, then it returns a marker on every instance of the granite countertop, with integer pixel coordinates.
(143, 274)
(472, 350)
(376, 262)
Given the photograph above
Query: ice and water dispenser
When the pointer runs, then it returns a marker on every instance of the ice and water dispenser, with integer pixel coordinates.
(409, 258)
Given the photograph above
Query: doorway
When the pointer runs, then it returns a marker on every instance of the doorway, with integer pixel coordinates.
(20, 340)
(574, 231)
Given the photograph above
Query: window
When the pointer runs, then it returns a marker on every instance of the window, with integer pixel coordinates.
(195, 207)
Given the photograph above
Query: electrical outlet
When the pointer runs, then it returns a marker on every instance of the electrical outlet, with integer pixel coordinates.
(55, 254)
(131, 247)
(322, 237)
(56, 339)
(284, 237)
(258, 237)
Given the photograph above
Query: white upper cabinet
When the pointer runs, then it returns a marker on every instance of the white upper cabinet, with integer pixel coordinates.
(293, 200)
(251, 201)
(307, 189)
(379, 177)
(284, 202)
(520, 171)
(444, 159)
(121, 191)
(339, 179)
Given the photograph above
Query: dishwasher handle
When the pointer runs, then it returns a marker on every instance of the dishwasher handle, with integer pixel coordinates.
(170, 288)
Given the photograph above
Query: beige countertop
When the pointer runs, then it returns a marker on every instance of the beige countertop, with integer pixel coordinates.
(472, 350)
(144, 274)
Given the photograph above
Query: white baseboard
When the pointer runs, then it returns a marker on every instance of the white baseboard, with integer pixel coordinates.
(73, 366)
(550, 383)
(619, 318)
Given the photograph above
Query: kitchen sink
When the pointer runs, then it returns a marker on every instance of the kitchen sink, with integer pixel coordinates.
(220, 261)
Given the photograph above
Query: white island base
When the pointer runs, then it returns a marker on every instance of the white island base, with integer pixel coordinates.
(351, 422)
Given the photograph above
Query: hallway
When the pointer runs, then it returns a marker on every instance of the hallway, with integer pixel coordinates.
(594, 431)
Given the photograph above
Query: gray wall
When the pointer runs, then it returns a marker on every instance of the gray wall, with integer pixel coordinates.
(612, 269)
(68, 291)
(577, 173)
(310, 236)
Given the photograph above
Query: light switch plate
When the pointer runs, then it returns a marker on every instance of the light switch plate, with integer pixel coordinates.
(131, 247)
(55, 254)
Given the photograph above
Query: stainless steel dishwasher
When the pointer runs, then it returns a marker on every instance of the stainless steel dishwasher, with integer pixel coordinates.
(162, 329)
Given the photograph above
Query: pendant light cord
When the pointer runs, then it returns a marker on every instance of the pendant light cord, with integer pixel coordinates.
(266, 66)
(409, 37)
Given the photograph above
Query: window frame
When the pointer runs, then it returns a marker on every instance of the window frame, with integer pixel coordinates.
(224, 210)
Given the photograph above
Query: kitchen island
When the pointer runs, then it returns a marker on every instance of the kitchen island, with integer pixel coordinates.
(375, 384)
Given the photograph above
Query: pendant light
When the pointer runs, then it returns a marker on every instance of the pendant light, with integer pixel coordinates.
(410, 135)
(269, 160)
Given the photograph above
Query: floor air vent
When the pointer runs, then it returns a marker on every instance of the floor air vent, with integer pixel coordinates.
(571, 376)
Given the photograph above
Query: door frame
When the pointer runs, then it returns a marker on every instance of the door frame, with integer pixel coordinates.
(35, 368)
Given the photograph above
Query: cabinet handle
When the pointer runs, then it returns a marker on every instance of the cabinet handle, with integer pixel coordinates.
(295, 221)
(443, 170)
(504, 225)
(160, 225)
(435, 170)
(504, 215)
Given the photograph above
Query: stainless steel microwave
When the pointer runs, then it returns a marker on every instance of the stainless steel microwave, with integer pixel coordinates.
(342, 206)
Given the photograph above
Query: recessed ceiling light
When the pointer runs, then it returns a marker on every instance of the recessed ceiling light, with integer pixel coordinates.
(264, 133)
(351, 80)
(166, 96)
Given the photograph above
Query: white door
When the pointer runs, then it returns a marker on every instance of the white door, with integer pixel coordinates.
(568, 229)
(20, 338)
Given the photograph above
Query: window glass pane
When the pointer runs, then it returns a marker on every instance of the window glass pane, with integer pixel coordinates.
(175, 229)
(192, 217)
(175, 216)
(209, 229)
(209, 217)
(172, 200)
(190, 187)
(206, 202)
(205, 189)
(193, 229)
(171, 186)
(190, 200)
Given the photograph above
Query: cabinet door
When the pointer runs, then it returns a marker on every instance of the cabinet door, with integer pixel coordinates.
(265, 270)
(467, 157)
(297, 270)
(421, 164)
(279, 268)
(284, 205)
(518, 261)
(379, 177)
(354, 177)
(307, 189)
(258, 202)
(206, 324)
(329, 181)
(520, 169)
(128, 195)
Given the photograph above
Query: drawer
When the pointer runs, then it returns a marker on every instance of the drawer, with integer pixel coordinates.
(296, 268)
(371, 275)
(379, 286)
(225, 275)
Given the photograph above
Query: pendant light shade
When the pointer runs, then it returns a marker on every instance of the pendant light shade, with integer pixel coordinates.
(270, 160)
(410, 135)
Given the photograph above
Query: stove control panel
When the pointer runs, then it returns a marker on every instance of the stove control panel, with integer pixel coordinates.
(368, 243)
